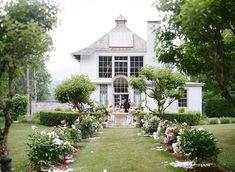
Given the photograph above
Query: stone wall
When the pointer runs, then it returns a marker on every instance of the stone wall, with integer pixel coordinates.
(49, 105)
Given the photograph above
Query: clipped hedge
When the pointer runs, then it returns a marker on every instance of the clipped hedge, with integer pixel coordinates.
(191, 118)
(218, 108)
(54, 118)
(97, 115)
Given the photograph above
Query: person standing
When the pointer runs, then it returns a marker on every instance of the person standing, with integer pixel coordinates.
(126, 105)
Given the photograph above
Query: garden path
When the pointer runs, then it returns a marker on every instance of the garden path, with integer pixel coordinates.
(122, 150)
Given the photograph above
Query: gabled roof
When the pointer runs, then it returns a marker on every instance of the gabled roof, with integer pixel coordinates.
(119, 39)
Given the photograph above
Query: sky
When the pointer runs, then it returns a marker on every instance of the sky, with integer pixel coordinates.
(82, 22)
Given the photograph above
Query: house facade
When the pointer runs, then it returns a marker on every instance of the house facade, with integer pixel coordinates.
(114, 58)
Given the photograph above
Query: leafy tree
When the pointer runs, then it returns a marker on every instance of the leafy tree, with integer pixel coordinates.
(23, 40)
(162, 85)
(43, 79)
(199, 38)
(40, 79)
(75, 90)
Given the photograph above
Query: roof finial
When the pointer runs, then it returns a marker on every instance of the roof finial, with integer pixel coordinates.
(121, 21)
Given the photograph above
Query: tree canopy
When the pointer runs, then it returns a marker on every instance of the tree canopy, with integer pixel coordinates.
(75, 90)
(161, 84)
(198, 36)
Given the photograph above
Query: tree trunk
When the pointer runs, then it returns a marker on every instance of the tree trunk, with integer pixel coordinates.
(28, 92)
(5, 159)
(225, 93)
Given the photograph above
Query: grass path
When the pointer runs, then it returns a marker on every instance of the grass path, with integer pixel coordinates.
(121, 150)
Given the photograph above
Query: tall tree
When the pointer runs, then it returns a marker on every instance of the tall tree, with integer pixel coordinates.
(24, 26)
(40, 79)
(162, 85)
(198, 36)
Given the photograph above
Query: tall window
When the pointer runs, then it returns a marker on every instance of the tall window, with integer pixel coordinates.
(105, 66)
(120, 65)
(120, 85)
(103, 93)
(137, 97)
(136, 65)
(183, 101)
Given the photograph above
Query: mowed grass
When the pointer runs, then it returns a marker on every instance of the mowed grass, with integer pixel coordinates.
(121, 150)
(17, 144)
(225, 134)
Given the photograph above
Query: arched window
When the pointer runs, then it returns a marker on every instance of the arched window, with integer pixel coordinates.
(120, 85)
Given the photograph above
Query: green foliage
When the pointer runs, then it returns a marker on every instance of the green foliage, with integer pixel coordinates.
(88, 126)
(150, 123)
(24, 40)
(213, 121)
(47, 148)
(165, 85)
(181, 110)
(219, 108)
(19, 106)
(191, 118)
(54, 118)
(224, 120)
(75, 90)
(199, 145)
(58, 109)
(139, 116)
(43, 79)
(199, 38)
(97, 115)
(70, 134)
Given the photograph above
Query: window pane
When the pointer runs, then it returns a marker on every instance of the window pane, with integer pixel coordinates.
(136, 62)
(105, 66)
(183, 101)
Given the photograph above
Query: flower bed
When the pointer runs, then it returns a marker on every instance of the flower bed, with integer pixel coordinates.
(47, 149)
(198, 146)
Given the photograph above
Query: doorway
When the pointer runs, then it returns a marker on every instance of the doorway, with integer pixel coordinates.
(119, 99)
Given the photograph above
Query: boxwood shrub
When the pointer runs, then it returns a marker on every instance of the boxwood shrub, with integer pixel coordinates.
(191, 118)
(97, 115)
(54, 118)
(218, 108)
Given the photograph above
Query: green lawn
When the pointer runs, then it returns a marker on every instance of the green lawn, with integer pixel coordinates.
(121, 150)
(225, 134)
(18, 137)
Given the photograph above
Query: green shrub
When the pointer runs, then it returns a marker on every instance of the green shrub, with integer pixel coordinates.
(1, 113)
(58, 109)
(219, 108)
(198, 145)
(224, 120)
(88, 126)
(54, 118)
(139, 116)
(233, 121)
(19, 106)
(181, 110)
(213, 121)
(191, 118)
(97, 115)
(150, 123)
(46, 148)
(35, 118)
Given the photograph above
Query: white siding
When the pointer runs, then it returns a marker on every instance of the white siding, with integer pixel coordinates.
(89, 66)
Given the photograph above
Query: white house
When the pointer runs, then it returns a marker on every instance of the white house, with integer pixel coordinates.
(119, 54)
